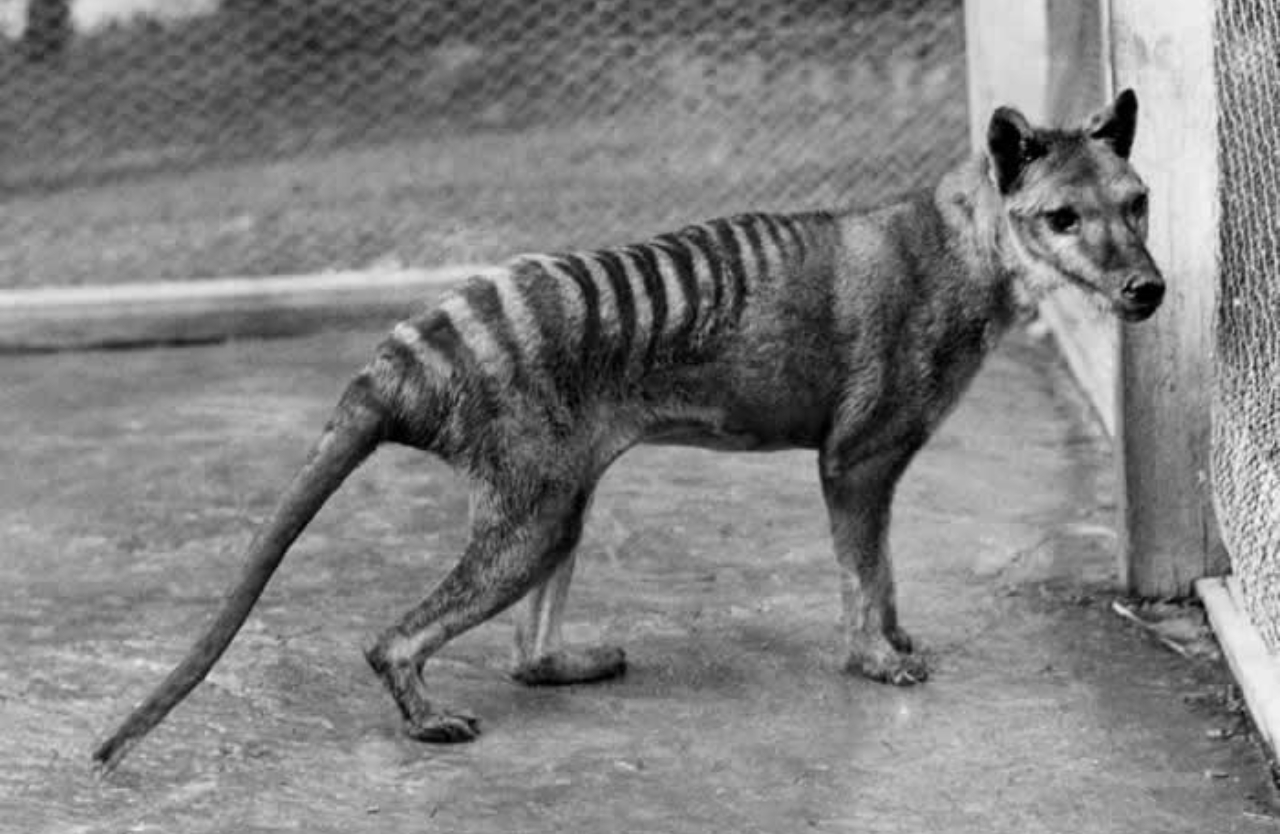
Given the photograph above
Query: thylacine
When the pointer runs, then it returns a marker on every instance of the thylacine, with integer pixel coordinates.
(851, 334)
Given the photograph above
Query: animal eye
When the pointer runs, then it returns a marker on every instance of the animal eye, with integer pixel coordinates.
(1063, 220)
(1138, 206)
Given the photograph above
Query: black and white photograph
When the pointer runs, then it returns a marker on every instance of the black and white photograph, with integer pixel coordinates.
(685, 417)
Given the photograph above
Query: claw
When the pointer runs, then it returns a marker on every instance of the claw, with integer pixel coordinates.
(883, 663)
(445, 728)
(904, 677)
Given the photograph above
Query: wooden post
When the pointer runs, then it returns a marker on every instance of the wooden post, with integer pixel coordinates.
(1007, 53)
(1164, 51)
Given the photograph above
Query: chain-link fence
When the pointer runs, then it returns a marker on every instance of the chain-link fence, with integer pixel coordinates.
(1246, 417)
(269, 136)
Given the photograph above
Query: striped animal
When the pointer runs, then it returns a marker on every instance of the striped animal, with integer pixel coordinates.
(850, 334)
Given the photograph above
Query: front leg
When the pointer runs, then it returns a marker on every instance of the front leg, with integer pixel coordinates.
(858, 497)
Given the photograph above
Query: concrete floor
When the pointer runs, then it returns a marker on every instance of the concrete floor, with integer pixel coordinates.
(132, 483)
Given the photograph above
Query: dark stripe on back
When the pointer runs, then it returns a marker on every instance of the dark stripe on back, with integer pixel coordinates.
(438, 332)
(592, 336)
(751, 228)
(774, 230)
(611, 263)
(481, 403)
(362, 391)
(543, 295)
(700, 238)
(486, 305)
(682, 262)
(405, 365)
(399, 374)
(789, 225)
(731, 256)
(646, 262)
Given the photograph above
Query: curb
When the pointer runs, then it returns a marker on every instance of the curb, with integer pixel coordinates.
(1256, 669)
(201, 311)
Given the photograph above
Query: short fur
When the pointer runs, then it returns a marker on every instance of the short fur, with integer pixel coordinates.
(850, 334)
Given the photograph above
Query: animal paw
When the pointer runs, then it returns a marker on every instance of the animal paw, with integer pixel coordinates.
(886, 664)
(444, 728)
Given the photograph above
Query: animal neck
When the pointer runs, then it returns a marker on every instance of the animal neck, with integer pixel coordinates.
(972, 210)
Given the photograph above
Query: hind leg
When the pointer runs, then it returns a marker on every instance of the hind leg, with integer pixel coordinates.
(541, 660)
(516, 543)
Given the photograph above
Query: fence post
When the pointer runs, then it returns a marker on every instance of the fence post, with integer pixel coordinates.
(1169, 535)
(1007, 54)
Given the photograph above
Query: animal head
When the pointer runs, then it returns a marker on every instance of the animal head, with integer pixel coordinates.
(1075, 210)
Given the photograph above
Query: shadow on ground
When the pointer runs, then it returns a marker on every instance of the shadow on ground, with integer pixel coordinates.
(134, 479)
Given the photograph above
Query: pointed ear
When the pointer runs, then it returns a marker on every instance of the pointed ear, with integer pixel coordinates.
(1116, 123)
(1011, 145)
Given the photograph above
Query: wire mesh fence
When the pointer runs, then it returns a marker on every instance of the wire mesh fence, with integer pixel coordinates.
(1246, 416)
(268, 136)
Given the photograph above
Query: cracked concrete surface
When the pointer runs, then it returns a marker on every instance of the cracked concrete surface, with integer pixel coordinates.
(133, 481)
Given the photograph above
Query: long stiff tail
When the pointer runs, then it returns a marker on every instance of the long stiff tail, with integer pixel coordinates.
(355, 430)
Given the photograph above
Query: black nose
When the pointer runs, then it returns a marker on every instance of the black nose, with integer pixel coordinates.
(1143, 291)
